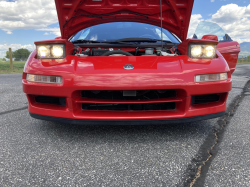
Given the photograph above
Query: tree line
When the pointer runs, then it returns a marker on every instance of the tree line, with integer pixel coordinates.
(19, 55)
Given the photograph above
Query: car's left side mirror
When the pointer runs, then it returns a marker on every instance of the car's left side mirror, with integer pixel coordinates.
(210, 37)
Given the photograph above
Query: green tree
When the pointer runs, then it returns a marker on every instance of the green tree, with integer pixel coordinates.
(7, 54)
(21, 54)
(3, 59)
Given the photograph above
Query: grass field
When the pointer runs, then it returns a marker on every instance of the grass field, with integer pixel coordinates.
(243, 62)
(17, 67)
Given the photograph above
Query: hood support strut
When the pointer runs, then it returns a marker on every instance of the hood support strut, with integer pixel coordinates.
(161, 26)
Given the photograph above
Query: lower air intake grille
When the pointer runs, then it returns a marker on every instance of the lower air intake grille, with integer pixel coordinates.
(201, 99)
(129, 107)
(51, 100)
(118, 95)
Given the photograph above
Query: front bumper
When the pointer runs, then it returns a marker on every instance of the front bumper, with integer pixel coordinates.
(73, 108)
(166, 73)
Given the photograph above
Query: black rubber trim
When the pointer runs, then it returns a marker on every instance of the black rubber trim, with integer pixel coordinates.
(127, 122)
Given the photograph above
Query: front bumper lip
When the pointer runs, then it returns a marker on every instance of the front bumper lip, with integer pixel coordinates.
(127, 122)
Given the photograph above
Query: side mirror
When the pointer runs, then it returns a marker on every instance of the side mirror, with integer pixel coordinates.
(195, 37)
(227, 38)
(210, 37)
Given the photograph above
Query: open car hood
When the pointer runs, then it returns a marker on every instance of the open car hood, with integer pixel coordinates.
(75, 15)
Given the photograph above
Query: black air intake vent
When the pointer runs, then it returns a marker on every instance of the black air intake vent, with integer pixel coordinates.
(51, 100)
(201, 99)
(128, 107)
(119, 95)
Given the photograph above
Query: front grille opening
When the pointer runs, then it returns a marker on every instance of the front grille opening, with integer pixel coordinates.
(128, 107)
(201, 99)
(119, 95)
(51, 100)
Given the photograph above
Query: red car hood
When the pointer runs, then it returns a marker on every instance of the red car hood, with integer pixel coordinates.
(75, 15)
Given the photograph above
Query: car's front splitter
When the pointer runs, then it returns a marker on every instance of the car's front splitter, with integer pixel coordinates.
(127, 122)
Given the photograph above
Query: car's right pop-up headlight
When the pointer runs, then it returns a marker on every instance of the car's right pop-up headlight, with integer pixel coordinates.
(202, 51)
(52, 51)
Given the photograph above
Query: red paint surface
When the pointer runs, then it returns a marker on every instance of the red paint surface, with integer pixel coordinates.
(210, 37)
(230, 51)
(176, 14)
(107, 73)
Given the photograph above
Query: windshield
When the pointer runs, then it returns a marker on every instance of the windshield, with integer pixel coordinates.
(121, 30)
(205, 28)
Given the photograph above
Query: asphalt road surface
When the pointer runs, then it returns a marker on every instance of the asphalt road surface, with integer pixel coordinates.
(212, 153)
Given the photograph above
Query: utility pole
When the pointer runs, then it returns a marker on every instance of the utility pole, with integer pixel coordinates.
(10, 55)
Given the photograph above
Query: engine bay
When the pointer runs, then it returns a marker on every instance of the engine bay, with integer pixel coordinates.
(125, 51)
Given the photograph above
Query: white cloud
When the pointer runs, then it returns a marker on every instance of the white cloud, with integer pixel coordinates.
(55, 31)
(27, 14)
(212, 0)
(5, 47)
(230, 13)
(235, 20)
(9, 32)
(46, 33)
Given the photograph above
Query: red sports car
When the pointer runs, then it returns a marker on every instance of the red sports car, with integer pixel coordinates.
(129, 62)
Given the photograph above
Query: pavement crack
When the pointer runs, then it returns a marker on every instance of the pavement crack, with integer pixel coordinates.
(196, 172)
(14, 110)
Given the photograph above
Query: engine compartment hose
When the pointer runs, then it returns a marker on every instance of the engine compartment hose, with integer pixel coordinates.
(108, 53)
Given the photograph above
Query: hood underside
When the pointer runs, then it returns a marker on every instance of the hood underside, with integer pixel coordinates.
(75, 15)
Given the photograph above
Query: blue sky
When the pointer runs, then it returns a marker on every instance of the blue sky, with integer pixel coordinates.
(16, 32)
(25, 36)
(207, 8)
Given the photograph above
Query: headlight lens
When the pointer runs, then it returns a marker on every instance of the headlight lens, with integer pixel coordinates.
(43, 51)
(51, 51)
(210, 51)
(196, 51)
(202, 51)
(57, 51)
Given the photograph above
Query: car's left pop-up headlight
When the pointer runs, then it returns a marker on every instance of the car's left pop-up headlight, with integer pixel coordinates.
(52, 51)
(202, 51)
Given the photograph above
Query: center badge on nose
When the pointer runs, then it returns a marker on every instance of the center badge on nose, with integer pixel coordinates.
(128, 66)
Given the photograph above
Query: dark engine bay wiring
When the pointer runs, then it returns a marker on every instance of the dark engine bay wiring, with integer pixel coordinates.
(126, 51)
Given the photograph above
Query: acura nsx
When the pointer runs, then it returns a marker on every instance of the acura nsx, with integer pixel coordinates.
(130, 62)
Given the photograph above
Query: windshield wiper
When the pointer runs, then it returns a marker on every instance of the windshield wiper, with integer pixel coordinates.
(117, 42)
(124, 41)
(108, 42)
(141, 40)
(85, 41)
